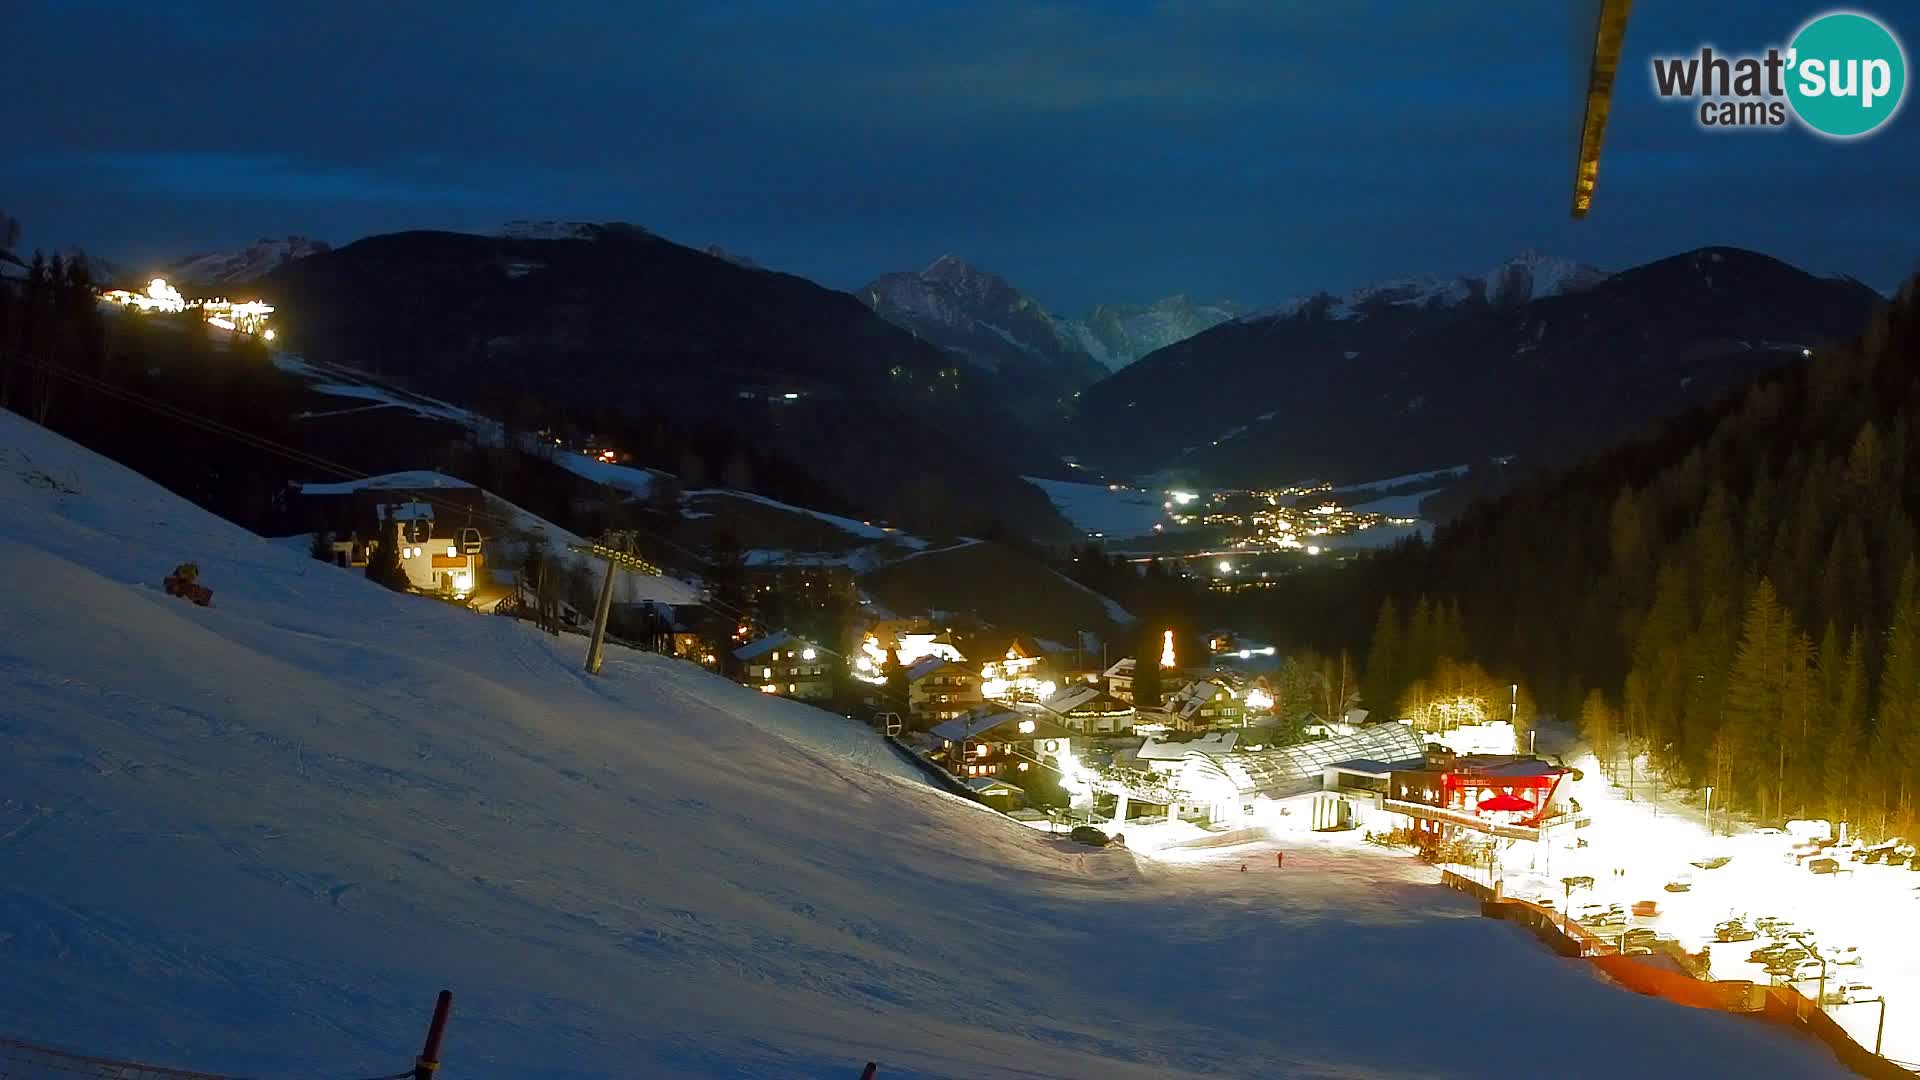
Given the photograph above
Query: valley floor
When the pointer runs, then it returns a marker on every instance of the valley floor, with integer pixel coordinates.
(256, 838)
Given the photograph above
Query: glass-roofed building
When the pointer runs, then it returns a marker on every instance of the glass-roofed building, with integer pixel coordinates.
(1232, 785)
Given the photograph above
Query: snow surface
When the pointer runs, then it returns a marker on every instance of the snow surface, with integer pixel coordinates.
(1871, 908)
(845, 524)
(412, 479)
(258, 837)
(1401, 481)
(1396, 505)
(1094, 508)
(635, 482)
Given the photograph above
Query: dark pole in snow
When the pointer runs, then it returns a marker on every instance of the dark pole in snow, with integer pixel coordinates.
(429, 1060)
(872, 1068)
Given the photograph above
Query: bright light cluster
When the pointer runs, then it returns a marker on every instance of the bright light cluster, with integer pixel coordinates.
(246, 317)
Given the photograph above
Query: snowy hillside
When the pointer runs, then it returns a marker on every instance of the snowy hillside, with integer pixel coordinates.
(243, 265)
(257, 837)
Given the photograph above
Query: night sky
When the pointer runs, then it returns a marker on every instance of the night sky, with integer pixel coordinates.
(1091, 152)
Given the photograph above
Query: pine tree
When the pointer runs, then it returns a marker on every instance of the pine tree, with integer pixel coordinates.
(1900, 693)
(1846, 728)
(1385, 675)
(1756, 695)
(1147, 681)
(1420, 643)
(383, 565)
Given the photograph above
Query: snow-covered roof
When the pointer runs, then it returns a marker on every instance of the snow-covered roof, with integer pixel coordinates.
(972, 724)
(1213, 744)
(985, 784)
(759, 647)
(1500, 765)
(1123, 668)
(1187, 700)
(410, 480)
(932, 664)
(1083, 695)
(983, 724)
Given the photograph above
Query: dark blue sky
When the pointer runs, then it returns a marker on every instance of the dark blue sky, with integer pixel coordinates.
(1099, 151)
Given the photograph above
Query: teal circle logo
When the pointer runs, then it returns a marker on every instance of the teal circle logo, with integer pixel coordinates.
(1847, 75)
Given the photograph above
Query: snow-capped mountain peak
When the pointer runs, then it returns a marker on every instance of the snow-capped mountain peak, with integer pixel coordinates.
(250, 263)
(1529, 275)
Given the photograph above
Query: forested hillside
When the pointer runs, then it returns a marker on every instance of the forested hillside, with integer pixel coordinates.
(1734, 594)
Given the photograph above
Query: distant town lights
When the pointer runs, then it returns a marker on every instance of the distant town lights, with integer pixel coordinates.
(1225, 567)
(1183, 497)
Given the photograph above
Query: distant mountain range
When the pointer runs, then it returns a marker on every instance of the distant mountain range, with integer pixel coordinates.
(964, 383)
(1118, 334)
(241, 265)
(611, 320)
(983, 319)
(1540, 357)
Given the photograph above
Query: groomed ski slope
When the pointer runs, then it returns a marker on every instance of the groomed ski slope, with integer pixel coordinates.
(257, 838)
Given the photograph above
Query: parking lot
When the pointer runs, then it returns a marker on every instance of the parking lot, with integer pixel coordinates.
(1865, 914)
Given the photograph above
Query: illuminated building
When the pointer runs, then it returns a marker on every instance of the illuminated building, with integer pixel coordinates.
(1510, 796)
(996, 744)
(787, 665)
(1204, 703)
(1089, 708)
(939, 689)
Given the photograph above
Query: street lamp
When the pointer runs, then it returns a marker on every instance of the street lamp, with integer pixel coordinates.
(1880, 1028)
(1709, 809)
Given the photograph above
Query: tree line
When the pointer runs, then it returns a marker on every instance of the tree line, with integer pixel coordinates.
(1731, 595)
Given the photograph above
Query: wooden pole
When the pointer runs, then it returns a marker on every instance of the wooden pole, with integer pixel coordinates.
(429, 1060)
(601, 612)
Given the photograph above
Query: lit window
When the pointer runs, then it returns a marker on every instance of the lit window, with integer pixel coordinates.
(766, 673)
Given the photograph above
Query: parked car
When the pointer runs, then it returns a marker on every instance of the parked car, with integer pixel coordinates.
(1777, 954)
(1875, 855)
(1683, 883)
(1824, 865)
(1894, 858)
(1734, 933)
(1639, 935)
(1646, 909)
(1851, 993)
(1087, 834)
(1712, 863)
(1841, 954)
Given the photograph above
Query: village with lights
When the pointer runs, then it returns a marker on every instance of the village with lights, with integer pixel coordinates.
(241, 317)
